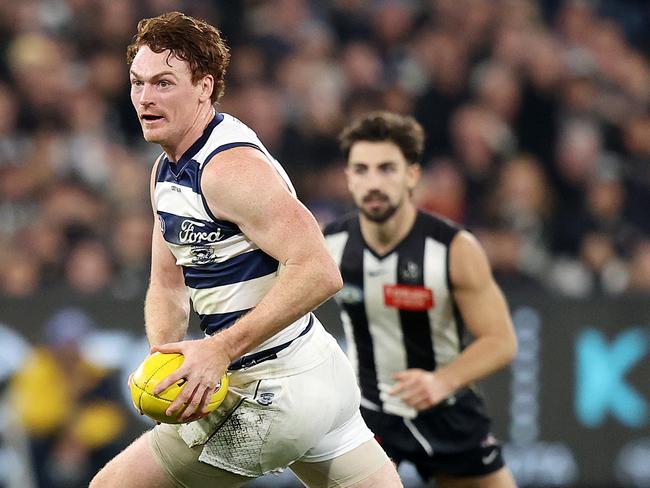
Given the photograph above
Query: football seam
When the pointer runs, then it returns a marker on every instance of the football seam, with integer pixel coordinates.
(143, 392)
(159, 368)
(142, 389)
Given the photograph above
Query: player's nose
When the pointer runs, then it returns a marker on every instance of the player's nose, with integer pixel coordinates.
(146, 95)
(373, 180)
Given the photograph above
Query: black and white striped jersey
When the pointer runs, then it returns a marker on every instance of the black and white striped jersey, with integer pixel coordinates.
(397, 310)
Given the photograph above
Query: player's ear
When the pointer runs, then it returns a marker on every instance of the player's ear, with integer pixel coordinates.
(413, 173)
(207, 87)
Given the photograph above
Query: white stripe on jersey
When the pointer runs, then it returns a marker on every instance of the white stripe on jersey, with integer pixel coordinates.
(179, 200)
(336, 245)
(231, 298)
(445, 337)
(383, 324)
(351, 345)
(228, 248)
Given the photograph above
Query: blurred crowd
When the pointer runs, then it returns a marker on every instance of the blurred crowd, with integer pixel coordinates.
(536, 113)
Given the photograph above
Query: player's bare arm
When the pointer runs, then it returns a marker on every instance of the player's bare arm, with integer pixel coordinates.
(167, 305)
(486, 316)
(241, 186)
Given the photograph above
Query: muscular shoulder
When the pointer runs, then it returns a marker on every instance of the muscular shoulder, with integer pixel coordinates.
(469, 266)
(236, 177)
(238, 164)
(437, 227)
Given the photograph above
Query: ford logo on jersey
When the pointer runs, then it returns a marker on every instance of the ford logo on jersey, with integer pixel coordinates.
(191, 233)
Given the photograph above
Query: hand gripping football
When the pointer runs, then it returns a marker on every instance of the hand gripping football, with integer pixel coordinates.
(152, 370)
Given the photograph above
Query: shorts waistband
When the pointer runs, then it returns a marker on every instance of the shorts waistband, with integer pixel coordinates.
(272, 353)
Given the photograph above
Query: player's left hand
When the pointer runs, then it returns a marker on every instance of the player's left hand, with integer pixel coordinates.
(202, 368)
(420, 389)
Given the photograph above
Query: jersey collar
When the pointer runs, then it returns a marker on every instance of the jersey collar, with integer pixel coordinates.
(187, 156)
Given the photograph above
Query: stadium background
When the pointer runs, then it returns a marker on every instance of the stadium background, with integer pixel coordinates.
(538, 124)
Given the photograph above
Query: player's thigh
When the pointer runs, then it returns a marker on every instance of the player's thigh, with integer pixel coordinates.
(363, 467)
(499, 479)
(181, 463)
(134, 467)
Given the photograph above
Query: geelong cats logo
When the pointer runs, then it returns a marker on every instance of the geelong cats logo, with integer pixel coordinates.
(203, 255)
(266, 399)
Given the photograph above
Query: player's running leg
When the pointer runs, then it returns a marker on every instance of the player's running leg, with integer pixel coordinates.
(157, 458)
(366, 466)
(134, 466)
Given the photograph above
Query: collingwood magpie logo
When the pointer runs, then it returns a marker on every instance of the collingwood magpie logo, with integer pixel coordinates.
(410, 271)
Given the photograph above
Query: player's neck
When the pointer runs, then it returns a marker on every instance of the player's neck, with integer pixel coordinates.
(174, 151)
(383, 237)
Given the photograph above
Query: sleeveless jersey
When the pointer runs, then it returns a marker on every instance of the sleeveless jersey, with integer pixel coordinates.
(226, 274)
(397, 310)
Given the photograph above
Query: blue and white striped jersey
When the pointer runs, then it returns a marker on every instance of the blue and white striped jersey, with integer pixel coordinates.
(225, 272)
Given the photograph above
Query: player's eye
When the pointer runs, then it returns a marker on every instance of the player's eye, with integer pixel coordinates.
(136, 83)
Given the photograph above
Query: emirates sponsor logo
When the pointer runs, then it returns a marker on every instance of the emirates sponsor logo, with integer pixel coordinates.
(405, 297)
(192, 233)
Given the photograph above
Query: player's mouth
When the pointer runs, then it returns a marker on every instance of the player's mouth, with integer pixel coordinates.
(375, 199)
(150, 118)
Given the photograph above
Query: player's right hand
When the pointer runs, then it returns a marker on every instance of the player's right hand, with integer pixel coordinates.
(420, 389)
(204, 365)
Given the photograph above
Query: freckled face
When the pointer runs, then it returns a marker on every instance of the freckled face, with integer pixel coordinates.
(163, 95)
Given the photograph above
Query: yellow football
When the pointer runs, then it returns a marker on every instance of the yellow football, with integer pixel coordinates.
(152, 370)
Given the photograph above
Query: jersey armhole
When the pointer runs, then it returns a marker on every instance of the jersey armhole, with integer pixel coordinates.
(450, 284)
(208, 160)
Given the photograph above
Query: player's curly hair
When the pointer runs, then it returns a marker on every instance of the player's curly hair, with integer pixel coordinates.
(192, 40)
(404, 131)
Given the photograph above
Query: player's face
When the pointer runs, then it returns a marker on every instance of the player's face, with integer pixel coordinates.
(380, 179)
(163, 95)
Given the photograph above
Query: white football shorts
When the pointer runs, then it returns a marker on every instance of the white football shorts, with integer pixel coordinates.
(286, 414)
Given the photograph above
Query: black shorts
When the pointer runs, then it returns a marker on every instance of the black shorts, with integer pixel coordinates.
(452, 438)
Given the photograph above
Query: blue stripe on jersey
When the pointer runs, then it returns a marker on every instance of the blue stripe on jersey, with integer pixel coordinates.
(188, 176)
(246, 266)
(200, 142)
(215, 322)
(185, 163)
(189, 230)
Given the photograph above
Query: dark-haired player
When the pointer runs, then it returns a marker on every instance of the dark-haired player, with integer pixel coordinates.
(413, 283)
